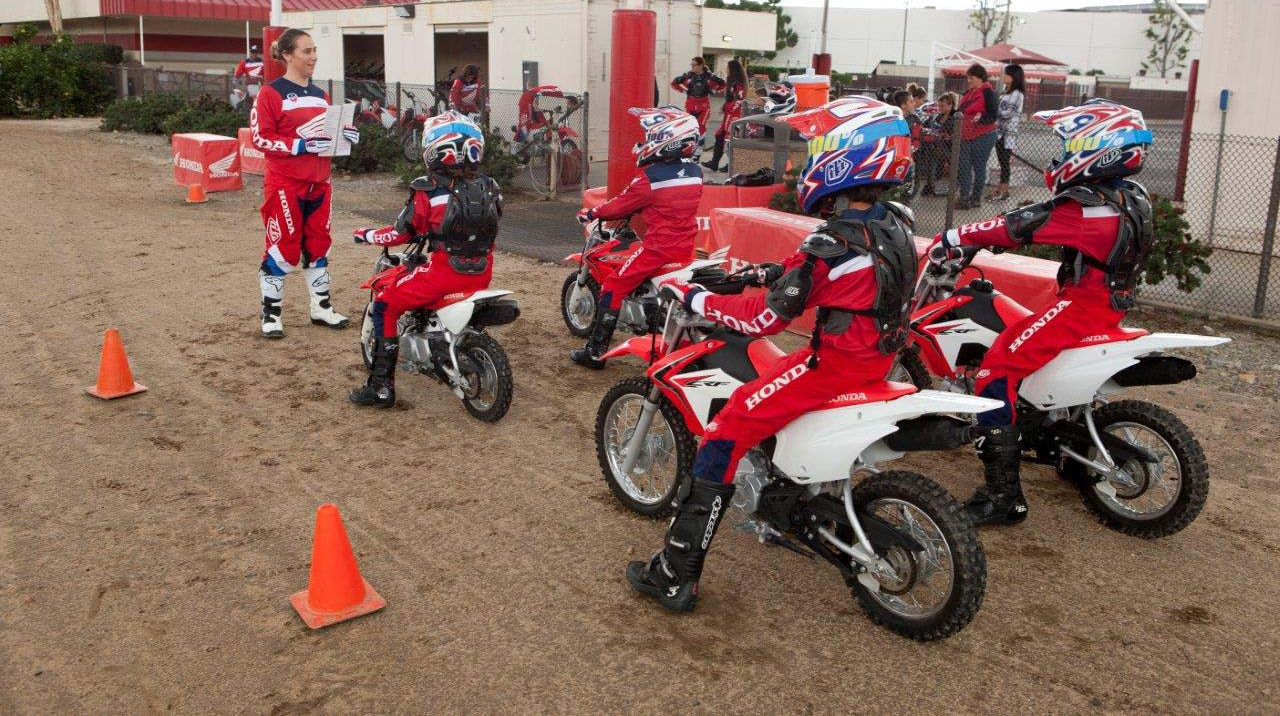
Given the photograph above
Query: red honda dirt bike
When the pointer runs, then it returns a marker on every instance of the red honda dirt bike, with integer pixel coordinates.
(604, 252)
(902, 544)
(1139, 468)
(540, 138)
(447, 342)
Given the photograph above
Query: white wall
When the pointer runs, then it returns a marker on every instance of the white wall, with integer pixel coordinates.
(748, 30)
(859, 38)
(1240, 54)
(35, 10)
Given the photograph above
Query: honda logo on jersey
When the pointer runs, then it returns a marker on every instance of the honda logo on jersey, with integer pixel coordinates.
(1039, 323)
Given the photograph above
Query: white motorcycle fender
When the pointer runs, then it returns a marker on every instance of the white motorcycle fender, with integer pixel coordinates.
(1077, 375)
(821, 446)
(685, 273)
(456, 316)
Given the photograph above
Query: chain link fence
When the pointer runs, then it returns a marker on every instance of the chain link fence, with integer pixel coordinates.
(544, 131)
(1227, 196)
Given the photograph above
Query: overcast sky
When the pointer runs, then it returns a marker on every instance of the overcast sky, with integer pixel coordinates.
(1018, 5)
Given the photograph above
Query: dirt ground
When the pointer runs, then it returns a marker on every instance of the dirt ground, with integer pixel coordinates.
(148, 546)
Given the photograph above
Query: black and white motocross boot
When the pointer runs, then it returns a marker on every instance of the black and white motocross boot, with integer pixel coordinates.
(671, 576)
(597, 342)
(1000, 501)
(272, 288)
(322, 313)
(380, 389)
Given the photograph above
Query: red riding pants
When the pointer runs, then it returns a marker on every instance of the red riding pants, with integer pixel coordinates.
(296, 216)
(645, 262)
(787, 390)
(1024, 347)
(700, 108)
(426, 286)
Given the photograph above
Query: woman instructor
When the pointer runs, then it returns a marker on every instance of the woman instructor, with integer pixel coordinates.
(287, 123)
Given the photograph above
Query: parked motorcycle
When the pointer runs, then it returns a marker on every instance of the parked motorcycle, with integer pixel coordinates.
(542, 136)
(448, 342)
(900, 541)
(604, 252)
(1139, 468)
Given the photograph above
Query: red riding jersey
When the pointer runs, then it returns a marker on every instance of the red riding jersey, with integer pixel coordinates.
(666, 195)
(284, 116)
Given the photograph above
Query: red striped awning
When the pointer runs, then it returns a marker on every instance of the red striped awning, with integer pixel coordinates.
(222, 9)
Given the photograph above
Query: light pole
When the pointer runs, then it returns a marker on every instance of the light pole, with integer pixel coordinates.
(906, 8)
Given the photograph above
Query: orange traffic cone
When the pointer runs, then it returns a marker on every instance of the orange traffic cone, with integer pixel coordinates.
(195, 194)
(115, 380)
(335, 591)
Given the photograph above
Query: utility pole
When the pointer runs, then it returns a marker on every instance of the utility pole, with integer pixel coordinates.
(55, 15)
(906, 8)
(822, 47)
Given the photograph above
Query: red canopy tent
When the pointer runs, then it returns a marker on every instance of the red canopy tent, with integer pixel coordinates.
(1008, 54)
(995, 57)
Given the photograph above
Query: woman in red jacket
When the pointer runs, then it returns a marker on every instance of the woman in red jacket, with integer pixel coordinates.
(979, 110)
(287, 123)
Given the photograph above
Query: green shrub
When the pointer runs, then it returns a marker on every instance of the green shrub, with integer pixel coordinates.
(1175, 252)
(205, 114)
(146, 115)
(60, 79)
(498, 162)
(378, 150)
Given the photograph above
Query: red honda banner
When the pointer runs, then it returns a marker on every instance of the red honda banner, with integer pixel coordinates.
(210, 160)
(252, 160)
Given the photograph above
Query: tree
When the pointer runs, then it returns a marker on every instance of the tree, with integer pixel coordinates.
(1170, 37)
(786, 36)
(988, 18)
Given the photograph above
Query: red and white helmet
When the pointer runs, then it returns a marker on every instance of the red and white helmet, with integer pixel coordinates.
(1100, 139)
(451, 141)
(669, 133)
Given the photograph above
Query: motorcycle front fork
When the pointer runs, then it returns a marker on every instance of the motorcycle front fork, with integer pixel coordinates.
(636, 443)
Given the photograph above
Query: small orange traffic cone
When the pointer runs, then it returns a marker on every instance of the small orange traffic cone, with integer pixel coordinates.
(335, 590)
(115, 380)
(195, 194)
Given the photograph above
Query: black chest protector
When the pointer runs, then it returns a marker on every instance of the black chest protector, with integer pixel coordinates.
(1134, 238)
(889, 244)
(470, 225)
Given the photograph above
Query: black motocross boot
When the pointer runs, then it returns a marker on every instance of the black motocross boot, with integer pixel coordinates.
(1000, 501)
(671, 576)
(597, 342)
(714, 164)
(380, 390)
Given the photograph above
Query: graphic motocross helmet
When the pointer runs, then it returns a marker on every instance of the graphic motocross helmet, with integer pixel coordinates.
(669, 133)
(852, 141)
(1100, 140)
(451, 142)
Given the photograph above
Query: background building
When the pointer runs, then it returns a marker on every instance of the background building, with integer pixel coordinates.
(859, 38)
(522, 43)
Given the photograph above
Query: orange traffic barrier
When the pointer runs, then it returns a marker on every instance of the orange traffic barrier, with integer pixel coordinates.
(195, 194)
(115, 380)
(335, 590)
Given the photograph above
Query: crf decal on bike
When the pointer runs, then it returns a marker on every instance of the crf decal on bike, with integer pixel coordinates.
(699, 382)
(774, 385)
(1040, 322)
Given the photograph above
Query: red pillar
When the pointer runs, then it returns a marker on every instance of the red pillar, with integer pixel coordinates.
(822, 63)
(1184, 147)
(631, 67)
(271, 68)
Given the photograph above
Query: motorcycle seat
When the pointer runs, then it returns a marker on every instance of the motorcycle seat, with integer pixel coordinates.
(874, 393)
(1115, 335)
(449, 299)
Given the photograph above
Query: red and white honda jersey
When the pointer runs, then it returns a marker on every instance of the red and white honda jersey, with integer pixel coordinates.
(666, 195)
(845, 282)
(1092, 230)
(466, 97)
(284, 115)
(250, 68)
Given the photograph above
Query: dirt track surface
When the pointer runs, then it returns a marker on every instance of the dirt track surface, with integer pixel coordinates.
(148, 546)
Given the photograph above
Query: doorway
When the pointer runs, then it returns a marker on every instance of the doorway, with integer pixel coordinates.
(459, 46)
(364, 67)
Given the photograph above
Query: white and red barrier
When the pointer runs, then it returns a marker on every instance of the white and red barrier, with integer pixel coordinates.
(210, 160)
(252, 160)
(755, 235)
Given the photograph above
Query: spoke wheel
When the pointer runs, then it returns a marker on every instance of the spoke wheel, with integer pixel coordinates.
(488, 374)
(578, 304)
(932, 592)
(1152, 499)
(666, 452)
